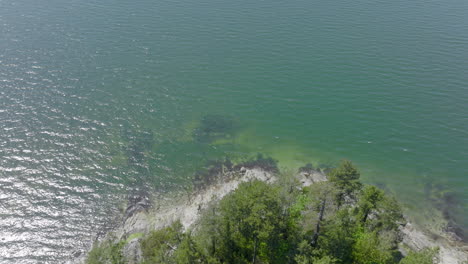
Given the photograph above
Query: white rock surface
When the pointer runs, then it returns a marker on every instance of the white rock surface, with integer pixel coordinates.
(186, 208)
(450, 252)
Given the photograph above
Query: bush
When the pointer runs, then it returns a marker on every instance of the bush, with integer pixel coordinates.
(106, 252)
(425, 256)
(159, 245)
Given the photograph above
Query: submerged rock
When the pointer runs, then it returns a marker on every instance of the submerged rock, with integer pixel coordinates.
(214, 127)
(137, 203)
(449, 204)
(260, 162)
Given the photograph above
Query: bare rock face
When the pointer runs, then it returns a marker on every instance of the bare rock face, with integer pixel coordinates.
(137, 203)
(137, 223)
(449, 253)
(132, 251)
(185, 208)
(310, 177)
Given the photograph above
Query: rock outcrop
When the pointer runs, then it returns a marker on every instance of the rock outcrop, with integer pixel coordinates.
(140, 218)
(450, 252)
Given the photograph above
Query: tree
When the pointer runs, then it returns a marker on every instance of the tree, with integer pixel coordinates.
(252, 225)
(320, 204)
(390, 215)
(106, 252)
(379, 213)
(189, 252)
(159, 246)
(384, 209)
(338, 237)
(346, 179)
(368, 201)
(334, 222)
(307, 255)
(369, 248)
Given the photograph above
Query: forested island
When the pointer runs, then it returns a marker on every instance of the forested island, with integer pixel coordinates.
(253, 213)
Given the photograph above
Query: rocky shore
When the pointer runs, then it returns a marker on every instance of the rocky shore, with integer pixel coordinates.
(143, 215)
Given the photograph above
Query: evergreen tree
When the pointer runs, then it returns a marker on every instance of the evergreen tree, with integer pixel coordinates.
(346, 178)
(368, 201)
(188, 252)
(338, 236)
(253, 225)
(369, 248)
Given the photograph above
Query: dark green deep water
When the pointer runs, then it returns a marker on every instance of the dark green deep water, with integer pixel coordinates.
(101, 98)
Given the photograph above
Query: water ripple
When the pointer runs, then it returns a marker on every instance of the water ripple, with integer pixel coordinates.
(95, 98)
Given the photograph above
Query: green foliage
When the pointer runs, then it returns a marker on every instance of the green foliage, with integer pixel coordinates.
(306, 254)
(369, 248)
(106, 253)
(324, 260)
(316, 194)
(346, 178)
(377, 211)
(133, 236)
(252, 225)
(159, 245)
(171, 245)
(335, 222)
(338, 236)
(188, 252)
(297, 208)
(208, 237)
(293, 199)
(368, 201)
(390, 214)
(425, 256)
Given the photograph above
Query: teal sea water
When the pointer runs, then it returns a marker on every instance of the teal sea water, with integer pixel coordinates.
(99, 99)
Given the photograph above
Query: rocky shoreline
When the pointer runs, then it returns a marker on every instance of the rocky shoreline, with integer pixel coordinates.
(142, 216)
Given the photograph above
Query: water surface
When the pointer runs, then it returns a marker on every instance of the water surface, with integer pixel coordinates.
(101, 98)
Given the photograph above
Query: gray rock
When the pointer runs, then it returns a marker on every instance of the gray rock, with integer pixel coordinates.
(132, 251)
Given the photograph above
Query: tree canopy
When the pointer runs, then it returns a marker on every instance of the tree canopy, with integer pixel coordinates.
(340, 221)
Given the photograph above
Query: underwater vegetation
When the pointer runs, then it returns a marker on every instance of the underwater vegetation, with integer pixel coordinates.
(169, 164)
(309, 167)
(138, 143)
(449, 204)
(265, 163)
(325, 167)
(213, 127)
(211, 172)
(135, 145)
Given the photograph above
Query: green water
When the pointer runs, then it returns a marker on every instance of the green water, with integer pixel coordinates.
(98, 98)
